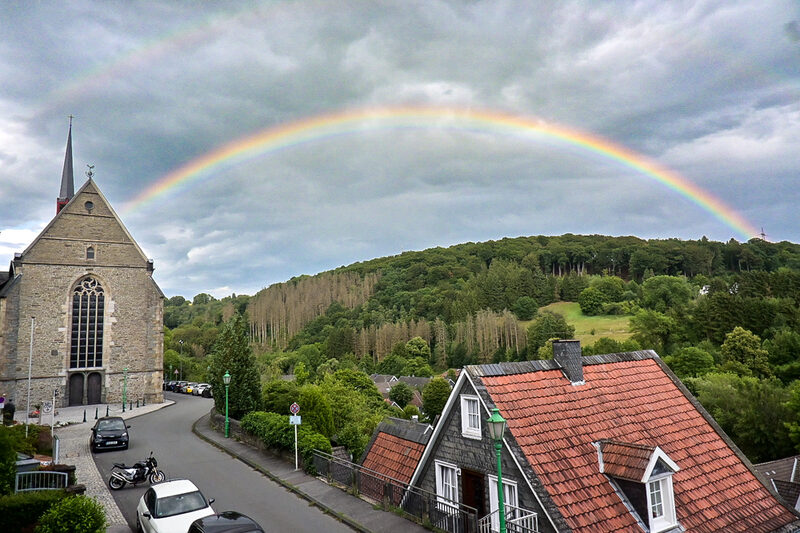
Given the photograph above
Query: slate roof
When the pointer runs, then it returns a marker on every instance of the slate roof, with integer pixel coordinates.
(786, 469)
(634, 398)
(396, 448)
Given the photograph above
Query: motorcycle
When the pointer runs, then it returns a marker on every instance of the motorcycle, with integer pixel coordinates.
(122, 474)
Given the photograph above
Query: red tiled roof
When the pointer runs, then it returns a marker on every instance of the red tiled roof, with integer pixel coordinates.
(393, 457)
(626, 461)
(555, 424)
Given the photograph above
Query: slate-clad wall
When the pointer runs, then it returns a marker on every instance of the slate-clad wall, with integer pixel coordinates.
(479, 456)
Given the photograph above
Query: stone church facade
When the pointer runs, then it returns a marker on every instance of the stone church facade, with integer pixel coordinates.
(80, 313)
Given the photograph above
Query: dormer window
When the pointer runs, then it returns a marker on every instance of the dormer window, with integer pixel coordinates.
(90, 252)
(470, 417)
(642, 477)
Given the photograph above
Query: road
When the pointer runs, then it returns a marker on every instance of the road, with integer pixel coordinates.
(233, 485)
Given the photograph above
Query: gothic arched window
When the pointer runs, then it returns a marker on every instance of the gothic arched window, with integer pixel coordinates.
(86, 348)
(90, 252)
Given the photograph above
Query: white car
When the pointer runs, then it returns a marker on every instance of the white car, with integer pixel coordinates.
(171, 507)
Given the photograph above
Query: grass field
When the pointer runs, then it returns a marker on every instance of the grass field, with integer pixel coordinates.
(612, 326)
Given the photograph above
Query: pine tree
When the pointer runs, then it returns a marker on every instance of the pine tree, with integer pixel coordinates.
(233, 354)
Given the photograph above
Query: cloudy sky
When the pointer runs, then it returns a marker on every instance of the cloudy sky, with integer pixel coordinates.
(380, 127)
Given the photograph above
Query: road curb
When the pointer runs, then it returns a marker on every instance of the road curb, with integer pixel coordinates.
(288, 486)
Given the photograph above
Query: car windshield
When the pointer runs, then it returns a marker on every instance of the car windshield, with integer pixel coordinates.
(111, 425)
(180, 503)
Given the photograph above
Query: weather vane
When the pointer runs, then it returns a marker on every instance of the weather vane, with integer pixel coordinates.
(89, 172)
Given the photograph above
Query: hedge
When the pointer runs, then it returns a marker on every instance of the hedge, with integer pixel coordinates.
(76, 514)
(25, 508)
(275, 431)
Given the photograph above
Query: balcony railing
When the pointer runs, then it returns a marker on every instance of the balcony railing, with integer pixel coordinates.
(37, 480)
(518, 520)
(419, 505)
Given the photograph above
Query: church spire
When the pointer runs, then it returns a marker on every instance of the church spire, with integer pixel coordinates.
(67, 181)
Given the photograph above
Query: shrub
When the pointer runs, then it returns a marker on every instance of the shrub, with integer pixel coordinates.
(76, 514)
(275, 431)
(23, 509)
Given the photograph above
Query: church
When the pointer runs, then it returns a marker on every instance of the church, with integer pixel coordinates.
(80, 313)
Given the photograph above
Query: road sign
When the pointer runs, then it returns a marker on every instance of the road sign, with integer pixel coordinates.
(294, 408)
(176, 372)
(47, 407)
(295, 420)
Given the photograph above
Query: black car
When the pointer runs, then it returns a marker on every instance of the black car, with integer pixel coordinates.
(109, 432)
(227, 522)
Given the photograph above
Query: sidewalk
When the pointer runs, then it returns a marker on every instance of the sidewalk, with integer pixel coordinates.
(73, 437)
(355, 512)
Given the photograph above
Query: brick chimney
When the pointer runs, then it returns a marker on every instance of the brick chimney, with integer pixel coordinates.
(568, 356)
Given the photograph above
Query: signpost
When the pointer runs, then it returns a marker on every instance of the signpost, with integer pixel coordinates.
(295, 421)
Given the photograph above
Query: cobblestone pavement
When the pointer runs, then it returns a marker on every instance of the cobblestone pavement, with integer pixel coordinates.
(73, 436)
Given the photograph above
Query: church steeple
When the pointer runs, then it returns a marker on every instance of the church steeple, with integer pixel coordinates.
(67, 181)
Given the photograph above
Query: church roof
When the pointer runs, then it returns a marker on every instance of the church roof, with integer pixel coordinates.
(67, 179)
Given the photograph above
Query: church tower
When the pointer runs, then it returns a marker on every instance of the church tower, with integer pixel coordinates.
(67, 180)
(80, 313)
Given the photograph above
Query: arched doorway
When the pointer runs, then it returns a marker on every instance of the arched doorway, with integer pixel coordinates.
(94, 388)
(76, 389)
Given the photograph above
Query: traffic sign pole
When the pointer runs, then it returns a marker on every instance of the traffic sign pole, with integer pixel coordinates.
(295, 421)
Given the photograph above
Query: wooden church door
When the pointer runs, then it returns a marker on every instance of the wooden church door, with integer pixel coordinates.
(94, 388)
(76, 389)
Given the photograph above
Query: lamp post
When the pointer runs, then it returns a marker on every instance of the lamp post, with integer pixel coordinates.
(497, 426)
(226, 379)
(124, 387)
(181, 343)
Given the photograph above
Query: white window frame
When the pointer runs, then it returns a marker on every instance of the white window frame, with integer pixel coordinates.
(510, 497)
(470, 421)
(446, 473)
(667, 519)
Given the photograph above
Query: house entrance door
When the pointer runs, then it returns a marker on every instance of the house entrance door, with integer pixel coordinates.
(94, 388)
(76, 389)
(472, 487)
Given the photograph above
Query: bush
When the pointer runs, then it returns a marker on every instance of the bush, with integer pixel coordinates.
(275, 431)
(76, 514)
(23, 509)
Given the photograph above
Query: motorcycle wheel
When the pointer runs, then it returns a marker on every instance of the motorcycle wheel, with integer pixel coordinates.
(157, 477)
(115, 483)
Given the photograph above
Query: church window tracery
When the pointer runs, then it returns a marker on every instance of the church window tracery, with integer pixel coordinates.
(88, 304)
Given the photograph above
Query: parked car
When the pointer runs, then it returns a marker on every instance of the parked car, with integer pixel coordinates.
(207, 392)
(198, 390)
(108, 433)
(168, 385)
(227, 522)
(187, 389)
(176, 387)
(171, 507)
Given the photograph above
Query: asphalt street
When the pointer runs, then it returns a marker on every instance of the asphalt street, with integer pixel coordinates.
(233, 485)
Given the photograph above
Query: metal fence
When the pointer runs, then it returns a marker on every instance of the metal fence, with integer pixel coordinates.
(37, 480)
(422, 506)
(518, 520)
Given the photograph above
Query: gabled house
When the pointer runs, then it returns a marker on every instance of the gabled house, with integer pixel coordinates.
(784, 476)
(594, 444)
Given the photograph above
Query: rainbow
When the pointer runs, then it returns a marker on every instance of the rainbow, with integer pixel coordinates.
(324, 126)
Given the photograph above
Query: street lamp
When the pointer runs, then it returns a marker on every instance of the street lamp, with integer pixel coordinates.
(226, 379)
(181, 343)
(497, 426)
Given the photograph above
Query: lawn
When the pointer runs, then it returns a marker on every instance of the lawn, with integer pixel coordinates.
(612, 326)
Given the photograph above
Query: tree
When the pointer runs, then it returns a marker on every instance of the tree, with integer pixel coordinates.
(742, 346)
(8, 461)
(591, 301)
(401, 393)
(278, 395)
(547, 325)
(665, 292)
(232, 354)
(525, 308)
(652, 329)
(418, 347)
(690, 362)
(316, 410)
(434, 397)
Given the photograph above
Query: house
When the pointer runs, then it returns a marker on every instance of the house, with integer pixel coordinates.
(593, 444)
(392, 454)
(784, 476)
(80, 313)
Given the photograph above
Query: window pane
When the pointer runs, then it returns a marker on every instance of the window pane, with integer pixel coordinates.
(656, 503)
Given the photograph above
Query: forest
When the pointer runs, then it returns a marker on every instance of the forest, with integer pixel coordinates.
(724, 316)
